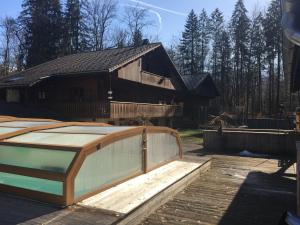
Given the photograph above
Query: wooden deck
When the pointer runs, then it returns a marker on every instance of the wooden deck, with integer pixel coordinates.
(15, 210)
(235, 191)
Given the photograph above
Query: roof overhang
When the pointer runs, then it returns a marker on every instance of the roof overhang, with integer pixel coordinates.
(31, 83)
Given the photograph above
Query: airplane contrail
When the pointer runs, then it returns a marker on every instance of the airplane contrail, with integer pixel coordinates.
(160, 8)
(151, 11)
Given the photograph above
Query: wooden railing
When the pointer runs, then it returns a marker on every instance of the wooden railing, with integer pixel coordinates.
(81, 109)
(113, 110)
(133, 110)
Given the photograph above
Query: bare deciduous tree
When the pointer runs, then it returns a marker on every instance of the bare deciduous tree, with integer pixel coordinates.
(119, 37)
(100, 14)
(137, 19)
(8, 44)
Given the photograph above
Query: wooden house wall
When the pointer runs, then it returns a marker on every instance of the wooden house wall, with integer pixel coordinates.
(153, 68)
(2, 94)
(155, 80)
(73, 89)
(95, 88)
(132, 71)
(155, 62)
(127, 91)
(195, 108)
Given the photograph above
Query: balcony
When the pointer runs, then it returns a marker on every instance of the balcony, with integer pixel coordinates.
(114, 110)
(133, 110)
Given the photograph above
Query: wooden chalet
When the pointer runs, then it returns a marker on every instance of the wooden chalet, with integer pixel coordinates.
(112, 84)
(200, 89)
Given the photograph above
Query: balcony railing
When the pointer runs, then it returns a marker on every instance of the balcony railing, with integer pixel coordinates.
(133, 110)
(114, 110)
(80, 109)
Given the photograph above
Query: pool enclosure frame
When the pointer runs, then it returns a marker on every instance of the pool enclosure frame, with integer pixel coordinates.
(81, 153)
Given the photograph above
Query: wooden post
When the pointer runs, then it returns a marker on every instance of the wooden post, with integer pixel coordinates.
(298, 176)
(298, 119)
(144, 151)
(298, 159)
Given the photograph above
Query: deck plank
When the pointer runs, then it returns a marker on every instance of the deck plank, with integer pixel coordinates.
(14, 210)
(237, 190)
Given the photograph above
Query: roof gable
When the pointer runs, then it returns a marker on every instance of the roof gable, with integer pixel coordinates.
(202, 85)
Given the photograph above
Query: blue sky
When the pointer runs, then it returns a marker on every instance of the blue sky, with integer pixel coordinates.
(170, 15)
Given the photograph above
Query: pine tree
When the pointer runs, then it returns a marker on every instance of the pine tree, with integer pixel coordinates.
(72, 27)
(41, 23)
(217, 28)
(273, 46)
(257, 39)
(225, 72)
(137, 39)
(204, 36)
(55, 19)
(276, 11)
(240, 35)
(189, 45)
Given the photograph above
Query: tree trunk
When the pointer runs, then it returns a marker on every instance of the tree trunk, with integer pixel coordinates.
(278, 80)
(259, 85)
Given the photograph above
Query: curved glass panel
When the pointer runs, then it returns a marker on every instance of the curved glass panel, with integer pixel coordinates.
(5, 130)
(161, 147)
(32, 183)
(115, 161)
(36, 158)
(87, 129)
(55, 138)
(25, 123)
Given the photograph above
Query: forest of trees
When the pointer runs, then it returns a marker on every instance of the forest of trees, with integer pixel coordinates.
(243, 55)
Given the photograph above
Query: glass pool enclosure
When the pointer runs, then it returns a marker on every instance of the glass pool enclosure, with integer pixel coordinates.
(63, 163)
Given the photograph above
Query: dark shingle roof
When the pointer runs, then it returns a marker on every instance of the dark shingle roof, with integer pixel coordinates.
(99, 61)
(202, 85)
(192, 81)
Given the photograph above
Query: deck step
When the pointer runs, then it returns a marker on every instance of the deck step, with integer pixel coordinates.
(137, 198)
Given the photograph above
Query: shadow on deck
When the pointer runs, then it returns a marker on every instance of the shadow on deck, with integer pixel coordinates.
(14, 210)
(237, 190)
(262, 199)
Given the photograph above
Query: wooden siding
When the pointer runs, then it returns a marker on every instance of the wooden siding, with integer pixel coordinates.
(133, 110)
(156, 80)
(133, 72)
(84, 89)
